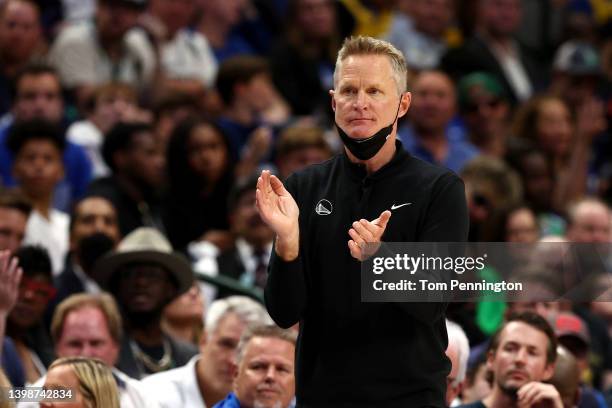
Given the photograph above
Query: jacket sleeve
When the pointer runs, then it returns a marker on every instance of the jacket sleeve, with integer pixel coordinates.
(446, 220)
(285, 292)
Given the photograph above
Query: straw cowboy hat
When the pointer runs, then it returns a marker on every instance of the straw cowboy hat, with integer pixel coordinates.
(144, 245)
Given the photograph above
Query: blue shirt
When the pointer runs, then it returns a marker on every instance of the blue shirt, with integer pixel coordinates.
(77, 168)
(231, 401)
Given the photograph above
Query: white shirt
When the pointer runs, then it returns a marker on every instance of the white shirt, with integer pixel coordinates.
(87, 135)
(133, 393)
(80, 60)
(51, 234)
(90, 285)
(176, 388)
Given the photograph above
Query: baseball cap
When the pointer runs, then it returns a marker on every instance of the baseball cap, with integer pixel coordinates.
(478, 82)
(567, 324)
(577, 58)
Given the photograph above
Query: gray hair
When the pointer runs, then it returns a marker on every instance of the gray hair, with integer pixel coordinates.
(458, 339)
(267, 331)
(372, 46)
(247, 310)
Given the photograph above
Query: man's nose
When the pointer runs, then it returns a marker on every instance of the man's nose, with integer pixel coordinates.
(520, 357)
(360, 101)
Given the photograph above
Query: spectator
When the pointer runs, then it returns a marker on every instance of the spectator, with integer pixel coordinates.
(10, 278)
(298, 147)
(521, 356)
(90, 380)
(86, 325)
(201, 172)
(171, 109)
(566, 378)
(38, 146)
(521, 225)
(93, 232)
(433, 108)
(485, 111)
(208, 377)
(183, 318)
(87, 54)
(302, 62)
(246, 260)
(14, 213)
(265, 374)
(422, 37)
(110, 103)
(494, 49)
(478, 381)
(25, 323)
(458, 351)
(38, 95)
(135, 157)
(145, 275)
(589, 220)
(21, 42)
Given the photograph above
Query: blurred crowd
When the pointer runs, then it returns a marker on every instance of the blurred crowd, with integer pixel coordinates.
(132, 133)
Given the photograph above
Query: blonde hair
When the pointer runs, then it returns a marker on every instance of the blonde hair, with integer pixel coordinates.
(96, 381)
(103, 301)
(372, 46)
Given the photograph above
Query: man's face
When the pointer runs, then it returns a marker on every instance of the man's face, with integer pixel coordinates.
(12, 228)
(452, 389)
(86, 334)
(20, 31)
(591, 224)
(500, 17)
(247, 223)
(92, 215)
(218, 350)
(145, 160)
(316, 18)
(365, 98)
(175, 14)
(520, 357)
(259, 92)
(485, 114)
(35, 292)
(265, 375)
(38, 97)
(434, 102)
(145, 288)
(433, 16)
(38, 167)
(114, 20)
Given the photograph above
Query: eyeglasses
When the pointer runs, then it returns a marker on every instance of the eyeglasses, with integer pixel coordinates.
(41, 290)
(473, 107)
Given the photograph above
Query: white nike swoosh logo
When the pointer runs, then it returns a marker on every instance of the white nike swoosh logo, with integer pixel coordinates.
(395, 207)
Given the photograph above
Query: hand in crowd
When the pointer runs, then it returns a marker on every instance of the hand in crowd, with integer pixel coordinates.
(280, 212)
(10, 276)
(536, 394)
(365, 233)
(259, 143)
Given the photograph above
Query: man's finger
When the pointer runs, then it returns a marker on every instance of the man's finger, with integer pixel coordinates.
(277, 185)
(361, 227)
(355, 250)
(383, 219)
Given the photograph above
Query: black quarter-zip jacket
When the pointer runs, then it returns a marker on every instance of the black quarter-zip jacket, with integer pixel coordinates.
(349, 353)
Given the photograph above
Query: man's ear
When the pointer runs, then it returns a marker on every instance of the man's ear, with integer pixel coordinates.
(333, 101)
(548, 371)
(405, 102)
(203, 340)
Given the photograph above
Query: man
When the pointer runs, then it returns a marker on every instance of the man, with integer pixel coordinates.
(21, 41)
(458, 352)
(137, 164)
(522, 356)
(208, 377)
(144, 275)
(38, 95)
(432, 111)
(298, 147)
(14, 213)
(87, 54)
(315, 269)
(94, 230)
(566, 378)
(264, 376)
(589, 220)
(87, 325)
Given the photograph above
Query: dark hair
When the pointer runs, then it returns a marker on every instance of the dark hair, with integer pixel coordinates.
(34, 260)
(120, 138)
(33, 69)
(537, 322)
(35, 129)
(75, 205)
(238, 70)
(16, 201)
(240, 188)
(182, 177)
(172, 101)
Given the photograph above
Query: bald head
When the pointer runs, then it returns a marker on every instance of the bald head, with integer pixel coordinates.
(566, 377)
(589, 221)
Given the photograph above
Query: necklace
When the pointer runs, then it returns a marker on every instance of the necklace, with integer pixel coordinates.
(152, 365)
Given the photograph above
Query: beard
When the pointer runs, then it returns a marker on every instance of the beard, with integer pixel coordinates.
(259, 404)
